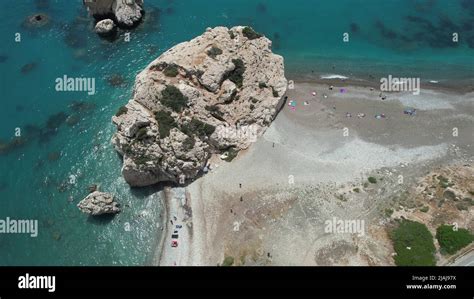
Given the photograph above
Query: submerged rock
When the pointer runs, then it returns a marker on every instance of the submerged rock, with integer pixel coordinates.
(73, 120)
(54, 156)
(127, 12)
(37, 20)
(82, 106)
(116, 80)
(27, 68)
(99, 203)
(217, 92)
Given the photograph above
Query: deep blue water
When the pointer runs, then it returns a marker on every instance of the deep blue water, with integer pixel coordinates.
(398, 37)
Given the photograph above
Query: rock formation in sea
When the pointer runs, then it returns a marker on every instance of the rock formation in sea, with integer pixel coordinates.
(216, 93)
(105, 27)
(99, 203)
(126, 13)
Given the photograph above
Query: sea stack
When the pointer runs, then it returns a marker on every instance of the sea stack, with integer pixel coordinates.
(212, 95)
(99, 203)
(127, 13)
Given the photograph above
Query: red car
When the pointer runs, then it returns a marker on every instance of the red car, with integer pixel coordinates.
(174, 243)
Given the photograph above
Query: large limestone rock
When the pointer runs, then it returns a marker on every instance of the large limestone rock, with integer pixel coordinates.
(99, 203)
(126, 12)
(215, 93)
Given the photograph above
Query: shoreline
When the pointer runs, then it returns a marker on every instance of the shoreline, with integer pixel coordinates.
(449, 86)
(164, 225)
(219, 184)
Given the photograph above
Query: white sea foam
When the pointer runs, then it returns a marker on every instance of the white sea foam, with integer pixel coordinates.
(334, 76)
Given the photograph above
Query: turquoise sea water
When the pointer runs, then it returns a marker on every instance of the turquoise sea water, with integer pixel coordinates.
(398, 37)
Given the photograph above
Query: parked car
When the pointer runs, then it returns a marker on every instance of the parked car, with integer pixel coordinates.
(174, 243)
(174, 236)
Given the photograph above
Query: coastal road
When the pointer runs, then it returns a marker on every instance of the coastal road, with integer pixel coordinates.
(175, 256)
(466, 260)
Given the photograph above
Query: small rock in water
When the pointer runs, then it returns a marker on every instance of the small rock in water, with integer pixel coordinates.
(105, 28)
(127, 13)
(99, 203)
(37, 20)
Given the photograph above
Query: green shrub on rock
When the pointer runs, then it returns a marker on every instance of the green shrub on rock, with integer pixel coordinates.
(171, 70)
(165, 123)
(122, 110)
(173, 98)
(214, 52)
(249, 33)
(237, 75)
(198, 128)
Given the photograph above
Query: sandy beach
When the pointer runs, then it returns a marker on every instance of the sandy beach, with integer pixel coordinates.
(269, 205)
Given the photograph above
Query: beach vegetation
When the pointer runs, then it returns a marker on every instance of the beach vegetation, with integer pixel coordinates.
(444, 182)
(231, 34)
(372, 180)
(262, 85)
(425, 209)
(451, 240)
(237, 75)
(228, 261)
(214, 52)
(173, 98)
(356, 190)
(171, 70)
(165, 123)
(388, 212)
(249, 33)
(413, 244)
